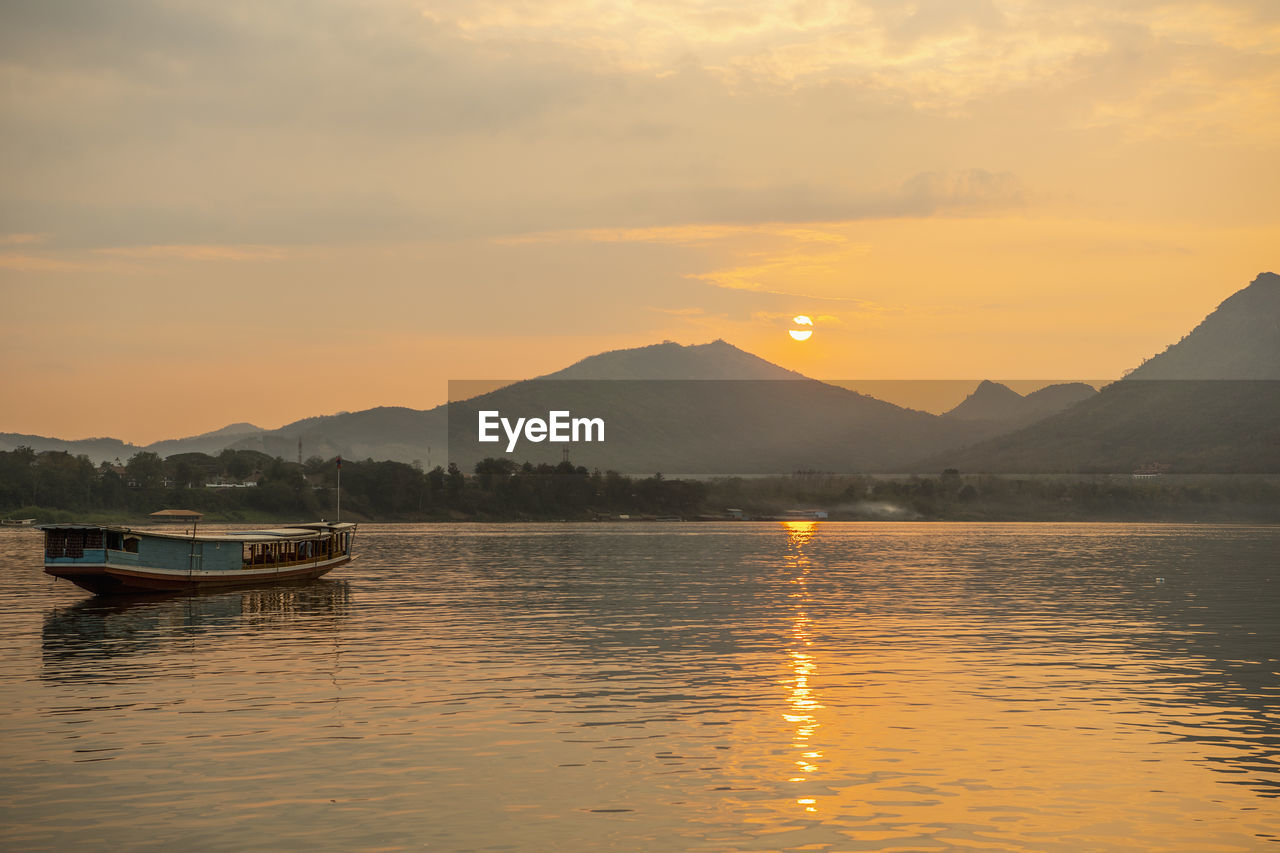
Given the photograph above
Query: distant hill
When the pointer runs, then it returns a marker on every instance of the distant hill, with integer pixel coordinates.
(989, 401)
(709, 408)
(409, 435)
(1208, 404)
(387, 432)
(412, 435)
(232, 429)
(97, 449)
(111, 449)
(209, 442)
(1002, 409)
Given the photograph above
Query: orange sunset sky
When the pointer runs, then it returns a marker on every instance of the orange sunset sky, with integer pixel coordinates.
(245, 211)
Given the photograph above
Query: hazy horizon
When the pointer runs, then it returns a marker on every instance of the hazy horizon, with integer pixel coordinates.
(936, 396)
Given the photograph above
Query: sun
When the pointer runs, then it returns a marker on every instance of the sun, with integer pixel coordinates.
(801, 334)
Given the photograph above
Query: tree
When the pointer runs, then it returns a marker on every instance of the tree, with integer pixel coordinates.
(489, 470)
(63, 480)
(112, 491)
(17, 476)
(435, 485)
(454, 481)
(238, 464)
(145, 469)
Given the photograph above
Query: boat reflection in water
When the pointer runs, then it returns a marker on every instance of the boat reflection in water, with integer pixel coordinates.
(76, 638)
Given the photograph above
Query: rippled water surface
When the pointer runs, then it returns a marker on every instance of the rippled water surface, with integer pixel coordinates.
(804, 686)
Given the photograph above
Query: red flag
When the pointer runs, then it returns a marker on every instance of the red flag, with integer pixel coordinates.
(339, 461)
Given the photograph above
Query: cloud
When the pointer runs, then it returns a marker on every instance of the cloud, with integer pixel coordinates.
(197, 253)
(788, 316)
(133, 259)
(751, 278)
(36, 263)
(679, 235)
(22, 239)
(972, 190)
(790, 268)
(142, 122)
(679, 312)
(816, 214)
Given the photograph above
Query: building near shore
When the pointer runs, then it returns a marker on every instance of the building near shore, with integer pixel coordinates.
(176, 516)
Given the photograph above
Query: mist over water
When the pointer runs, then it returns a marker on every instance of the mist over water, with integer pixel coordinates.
(712, 687)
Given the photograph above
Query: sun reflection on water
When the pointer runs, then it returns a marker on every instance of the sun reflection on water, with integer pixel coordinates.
(802, 702)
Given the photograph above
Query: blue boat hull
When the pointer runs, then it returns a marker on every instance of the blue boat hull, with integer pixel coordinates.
(108, 579)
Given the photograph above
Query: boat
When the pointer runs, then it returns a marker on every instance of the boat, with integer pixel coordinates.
(108, 559)
(17, 522)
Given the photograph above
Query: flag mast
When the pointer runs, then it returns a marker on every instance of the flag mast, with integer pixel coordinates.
(339, 488)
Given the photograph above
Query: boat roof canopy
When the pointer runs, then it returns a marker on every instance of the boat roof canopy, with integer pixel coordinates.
(295, 533)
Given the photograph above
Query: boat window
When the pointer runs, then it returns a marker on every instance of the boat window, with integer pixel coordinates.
(56, 543)
(131, 544)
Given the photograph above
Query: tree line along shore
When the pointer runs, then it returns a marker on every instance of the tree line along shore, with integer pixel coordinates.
(248, 486)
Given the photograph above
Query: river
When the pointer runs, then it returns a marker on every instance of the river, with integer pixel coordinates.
(713, 687)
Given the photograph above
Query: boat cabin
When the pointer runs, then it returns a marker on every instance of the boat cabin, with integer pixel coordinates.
(284, 546)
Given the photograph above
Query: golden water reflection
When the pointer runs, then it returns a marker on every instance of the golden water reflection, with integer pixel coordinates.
(803, 705)
(916, 722)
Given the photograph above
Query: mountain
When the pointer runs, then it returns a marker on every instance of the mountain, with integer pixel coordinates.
(699, 427)
(410, 435)
(668, 360)
(111, 449)
(1208, 404)
(702, 409)
(1188, 426)
(208, 442)
(994, 408)
(989, 401)
(387, 432)
(715, 409)
(97, 449)
(1054, 398)
(1239, 340)
(231, 429)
